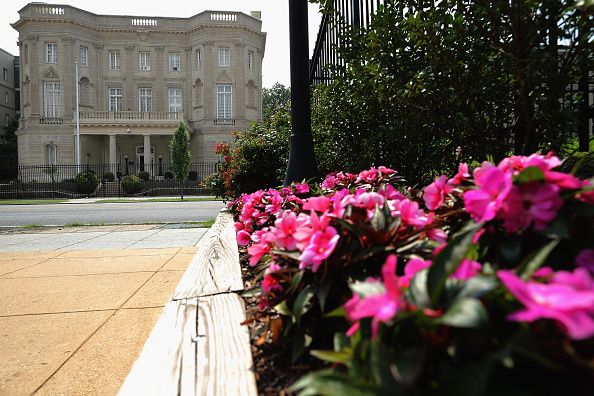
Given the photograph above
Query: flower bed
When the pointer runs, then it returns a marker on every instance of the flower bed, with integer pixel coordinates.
(474, 284)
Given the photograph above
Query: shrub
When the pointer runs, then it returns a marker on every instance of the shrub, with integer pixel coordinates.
(467, 285)
(108, 176)
(192, 175)
(144, 175)
(86, 182)
(131, 184)
(168, 175)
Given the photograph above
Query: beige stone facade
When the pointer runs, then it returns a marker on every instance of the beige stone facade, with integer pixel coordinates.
(138, 78)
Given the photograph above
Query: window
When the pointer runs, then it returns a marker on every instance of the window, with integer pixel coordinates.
(6, 119)
(84, 56)
(174, 62)
(5, 73)
(199, 58)
(51, 53)
(5, 97)
(51, 99)
(145, 99)
(224, 54)
(145, 61)
(224, 101)
(52, 154)
(115, 99)
(175, 100)
(250, 60)
(114, 60)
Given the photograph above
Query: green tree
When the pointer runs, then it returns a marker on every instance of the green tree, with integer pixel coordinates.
(180, 156)
(273, 99)
(8, 140)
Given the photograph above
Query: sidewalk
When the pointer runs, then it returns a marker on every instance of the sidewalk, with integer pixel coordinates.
(76, 307)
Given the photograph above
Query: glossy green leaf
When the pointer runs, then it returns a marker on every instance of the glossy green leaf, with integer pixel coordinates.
(332, 356)
(303, 303)
(466, 313)
(537, 259)
(530, 174)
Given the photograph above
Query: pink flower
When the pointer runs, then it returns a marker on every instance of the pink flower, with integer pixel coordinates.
(320, 204)
(585, 259)
(437, 235)
(461, 175)
(271, 285)
(381, 307)
(263, 240)
(301, 188)
(321, 246)
(411, 215)
(494, 186)
(386, 171)
(531, 203)
(435, 193)
(411, 268)
(368, 175)
(243, 238)
(466, 270)
(563, 300)
(285, 226)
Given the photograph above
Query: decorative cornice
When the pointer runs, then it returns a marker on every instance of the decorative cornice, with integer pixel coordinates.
(68, 40)
(239, 44)
(129, 47)
(33, 38)
(50, 74)
(188, 50)
(160, 49)
(208, 43)
(98, 47)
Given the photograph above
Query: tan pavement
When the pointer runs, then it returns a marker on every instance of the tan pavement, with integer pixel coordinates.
(74, 322)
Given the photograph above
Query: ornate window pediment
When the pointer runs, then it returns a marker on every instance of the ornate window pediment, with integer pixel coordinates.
(50, 74)
(224, 77)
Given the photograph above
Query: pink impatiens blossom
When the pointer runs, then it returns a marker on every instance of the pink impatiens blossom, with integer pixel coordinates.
(380, 307)
(320, 204)
(461, 175)
(411, 268)
(466, 270)
(434, 194)
(568, 299)
(284, 227)
(263, 240)
(321, 246)
(585, 259)
(243, 238)
(301, 188)
(271, 285)
(411, 215)
(531, 203)
(494, 186)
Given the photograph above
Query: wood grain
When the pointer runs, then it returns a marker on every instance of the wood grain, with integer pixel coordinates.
(215, 266)
(158, 368)
(224, 365)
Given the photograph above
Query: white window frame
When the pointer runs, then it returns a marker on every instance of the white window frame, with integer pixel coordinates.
(144, 61)
(116, 99)
(6, 119)
(145, 99)
(250, 60)
(5, 73)
(6, 97)
(175, 100)
(51, 53)
(224, 57)
(51, 99)
(199, 58)
(174, 61)
(52, 154)
(84, 56)
(114, 60)
(224, 101)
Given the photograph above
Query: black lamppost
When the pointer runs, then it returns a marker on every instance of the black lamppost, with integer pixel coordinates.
(88, 160)
(301, 154)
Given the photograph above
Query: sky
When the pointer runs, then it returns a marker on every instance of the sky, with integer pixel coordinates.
(275, 22)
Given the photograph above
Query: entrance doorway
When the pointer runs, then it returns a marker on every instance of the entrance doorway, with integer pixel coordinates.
(140, 159)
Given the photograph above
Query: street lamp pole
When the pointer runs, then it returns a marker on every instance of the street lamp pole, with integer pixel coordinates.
(301, 154)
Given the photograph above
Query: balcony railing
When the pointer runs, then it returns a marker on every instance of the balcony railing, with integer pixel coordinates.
(51, 120)
(224, 121)
(123, 116)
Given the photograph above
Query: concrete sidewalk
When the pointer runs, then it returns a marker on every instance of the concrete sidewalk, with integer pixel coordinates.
(76, 307)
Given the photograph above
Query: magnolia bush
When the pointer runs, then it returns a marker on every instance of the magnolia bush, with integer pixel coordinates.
(480, 283)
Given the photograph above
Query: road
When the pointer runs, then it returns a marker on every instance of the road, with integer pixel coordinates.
(108, 213)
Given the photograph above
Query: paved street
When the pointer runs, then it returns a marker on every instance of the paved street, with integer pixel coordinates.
(109, 213)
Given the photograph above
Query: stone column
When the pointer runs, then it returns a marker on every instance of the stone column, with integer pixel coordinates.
(147, 153)
(35, 84)
(211, 58)
(112, 149)
(127, 69)
(68, 60)
(100, 94)
(239, 89)
(187, 90)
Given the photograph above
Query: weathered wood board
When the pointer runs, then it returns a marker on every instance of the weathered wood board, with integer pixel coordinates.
(215, 267)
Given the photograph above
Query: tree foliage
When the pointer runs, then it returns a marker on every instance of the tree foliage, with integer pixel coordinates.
(180, 155)
(273, 99)
(489, 77)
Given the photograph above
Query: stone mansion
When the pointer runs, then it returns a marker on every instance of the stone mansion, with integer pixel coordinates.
(138, 78)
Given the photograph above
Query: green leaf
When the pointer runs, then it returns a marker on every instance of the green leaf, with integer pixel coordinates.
(418, 289)
(466, 313)
(303, 303)
(332, 356)
(378, 221)
(529, 174)
(332, 383)
(511, 248)
(298, 345)
(477, 286)
(558, 229)
(283, 309)
(536, 259)
(336, 313)
(365, 289)
(322, 292)
(448, 260)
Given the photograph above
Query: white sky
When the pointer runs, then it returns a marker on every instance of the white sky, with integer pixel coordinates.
(275, 22)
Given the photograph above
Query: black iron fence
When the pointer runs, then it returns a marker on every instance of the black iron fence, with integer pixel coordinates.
(339, 17)
(101, 180)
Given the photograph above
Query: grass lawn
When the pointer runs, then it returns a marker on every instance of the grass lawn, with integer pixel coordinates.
(124, 200)
(31, 201)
